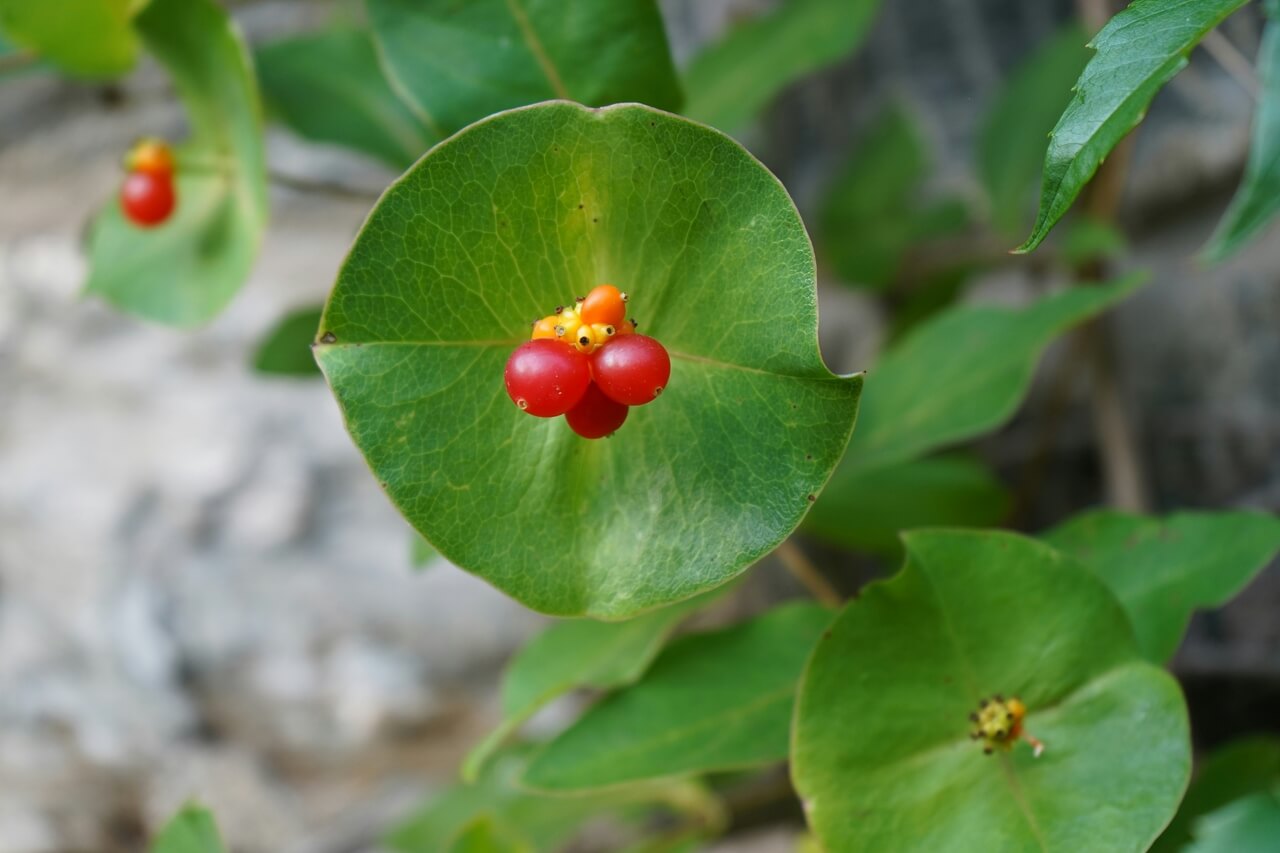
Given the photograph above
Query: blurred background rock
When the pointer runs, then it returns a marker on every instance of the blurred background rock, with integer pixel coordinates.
(204, 593)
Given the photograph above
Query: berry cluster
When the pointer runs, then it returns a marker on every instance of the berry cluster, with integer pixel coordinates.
(147, 196)
(587, 362)
(998, 723)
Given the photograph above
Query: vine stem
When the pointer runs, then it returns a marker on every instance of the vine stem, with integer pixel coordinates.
(18, 60)
(1122, 465)
(1232, 61)
(802, 569)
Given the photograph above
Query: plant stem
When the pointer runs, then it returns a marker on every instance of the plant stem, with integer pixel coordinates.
(18, 60)
(330, 188)
(1232, 61)
(1122, 467)
(798, 563)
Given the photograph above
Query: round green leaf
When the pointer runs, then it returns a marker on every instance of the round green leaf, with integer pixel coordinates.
(517, 214)
(186, 270)
(881, 753)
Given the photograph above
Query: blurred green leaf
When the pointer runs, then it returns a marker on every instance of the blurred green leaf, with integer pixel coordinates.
(871, 214)
(962, 373)
(882, 756)
(484, 835)
(1230, 773)
(329, 87)
(1138, 51)
(420, 551)
(286, 350)
(1012, 141)
(1164, 569)
(191, 830)
(1249, 825)
(578, 653)
(696, 486)
(1258, 199)
(545, 821)
(86, 38)
(713, 701)
(457, 62)
(866, 509)
(734, 78)
(1087, 240)
(185, 271)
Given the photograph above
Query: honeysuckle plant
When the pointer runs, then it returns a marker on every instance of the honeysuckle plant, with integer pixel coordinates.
(573, 231)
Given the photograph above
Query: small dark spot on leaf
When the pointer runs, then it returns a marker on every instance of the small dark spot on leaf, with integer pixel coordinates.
(595, 219)
(811, 498)
(328, 338)
(579, 207)
(808, 457)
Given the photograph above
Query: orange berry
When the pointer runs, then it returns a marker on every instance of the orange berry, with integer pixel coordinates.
(605, 304)
(546, 327)
(151, 156)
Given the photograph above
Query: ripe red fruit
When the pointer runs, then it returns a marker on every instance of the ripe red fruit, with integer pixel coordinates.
(596, 415)
(147, 198)
(632, 369)
(546, 377)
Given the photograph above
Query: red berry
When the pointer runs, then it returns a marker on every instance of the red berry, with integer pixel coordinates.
(632, 369)
(546, 377)
(596, 415)
(147, 198)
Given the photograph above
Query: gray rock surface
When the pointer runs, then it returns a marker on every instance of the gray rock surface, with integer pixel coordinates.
(203, 591)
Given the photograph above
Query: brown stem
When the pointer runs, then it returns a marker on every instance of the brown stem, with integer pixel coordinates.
(330, 188)
(798, 563)
(1232, 61)
(18, 60)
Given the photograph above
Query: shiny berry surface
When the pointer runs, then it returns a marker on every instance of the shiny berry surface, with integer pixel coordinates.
(631, 369)
(596, 416)
(147, 199)
(605, 304)
(546, 377)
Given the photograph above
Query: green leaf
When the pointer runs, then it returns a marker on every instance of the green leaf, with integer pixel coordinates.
(287, 348)
(420, 551)
(1089, 240)
(191, 830)
(733, 79)
(962, 373)
(1011, 144)
(1234, 771)
(484, 835)
(1164, 569)
(545, 821)
(517, 215)
(1256, 202)
(329, 87)
(714, 701)
(882, 756)
(456, 62)
(1249, 825)
(577, 653)
(185, 271)
(867, 509)
(871, 216)
(1138, 51)
(86, 38)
